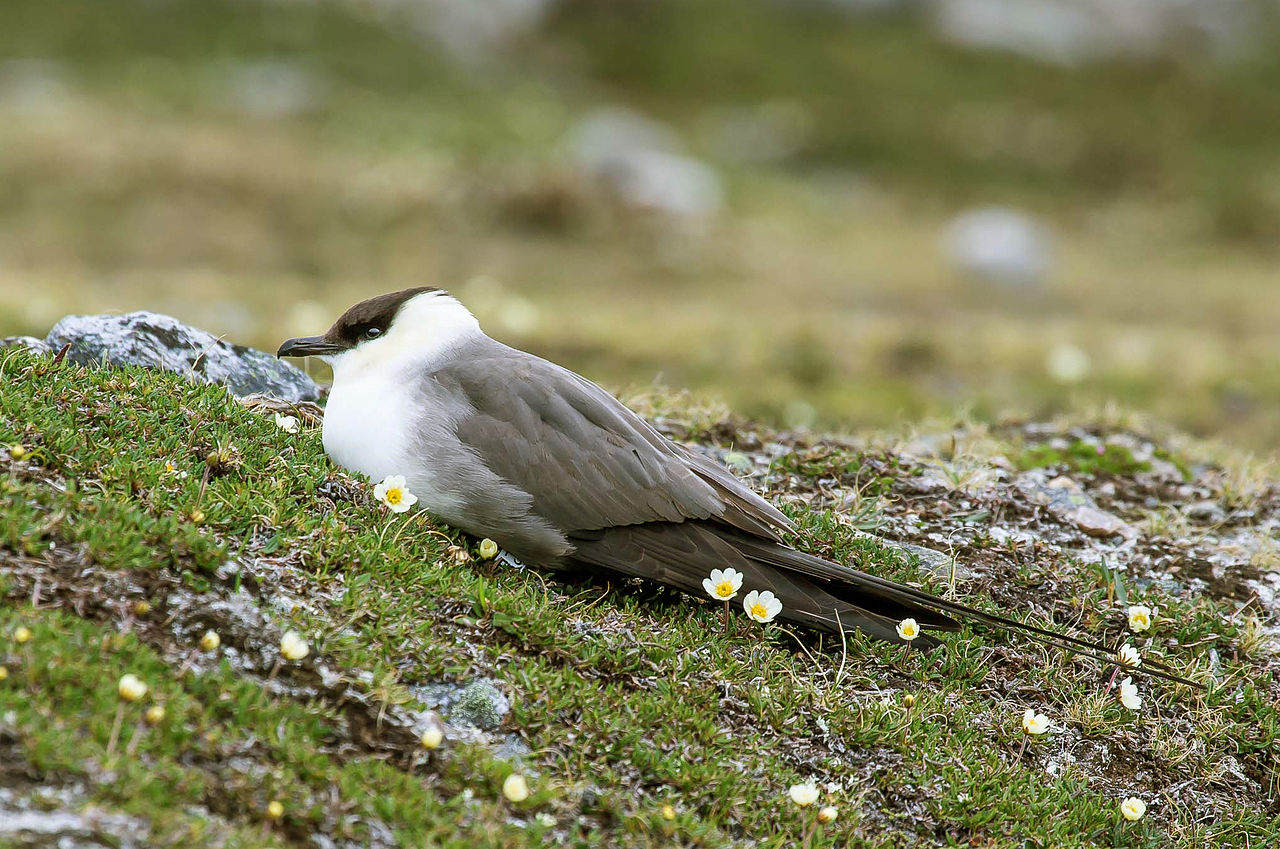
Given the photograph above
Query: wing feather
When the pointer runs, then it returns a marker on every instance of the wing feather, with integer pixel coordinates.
(587, 461)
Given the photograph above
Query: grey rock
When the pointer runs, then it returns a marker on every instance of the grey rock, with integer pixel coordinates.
(471, 32)
(1099, 523)
(999, 245)
(273, 88)
(31, 343)
(1206, 512)
(36, 88)
(640, 163)
(1072, 505)
(1073, 32)
(931, 560)
(159, 341)
(936, 562)
(61, 816)
(480, 704)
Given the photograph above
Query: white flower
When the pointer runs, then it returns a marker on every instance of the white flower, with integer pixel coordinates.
(803, 795)
(1129, 695)
(210, 641)
(828, 814)
(131, 688)
(723, 584)
(515, 787)
(488, 549)
(908, 629)
(154, 714)
(1139, 618)
(289, 424)
(275, 810)
(762, 606)
(21, 634)
(293, 647)
(395, 494)
(1133, 808)
(1129, 656)
(1034, 723)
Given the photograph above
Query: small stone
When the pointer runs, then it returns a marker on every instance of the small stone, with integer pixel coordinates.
(1100, 523)
(999, 245)
(1206, 512)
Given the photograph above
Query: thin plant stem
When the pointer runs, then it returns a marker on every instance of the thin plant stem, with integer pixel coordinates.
(135, 739)
(813, 826)
(115, 730)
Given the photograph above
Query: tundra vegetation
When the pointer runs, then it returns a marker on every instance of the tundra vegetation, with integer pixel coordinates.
(140, 513)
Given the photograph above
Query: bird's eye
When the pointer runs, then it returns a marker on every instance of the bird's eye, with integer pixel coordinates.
(373, 333)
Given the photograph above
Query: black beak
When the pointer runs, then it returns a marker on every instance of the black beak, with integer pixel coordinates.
(308, 346)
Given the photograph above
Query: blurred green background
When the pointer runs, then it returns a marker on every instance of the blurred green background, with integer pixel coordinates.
(840, 213)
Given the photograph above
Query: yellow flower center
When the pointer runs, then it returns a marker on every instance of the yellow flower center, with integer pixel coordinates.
(908, 630)
(394, 496)
(724, 589)
(759, 611)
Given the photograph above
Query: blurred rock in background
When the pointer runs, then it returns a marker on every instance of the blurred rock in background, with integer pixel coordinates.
(1070, 32)
(272, 88)
(472, 31)
(640, 162)
(999, 245)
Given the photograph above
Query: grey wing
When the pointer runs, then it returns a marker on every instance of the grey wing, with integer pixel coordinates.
(587, 461)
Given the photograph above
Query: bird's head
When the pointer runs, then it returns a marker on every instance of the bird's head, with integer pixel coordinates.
(415, 323)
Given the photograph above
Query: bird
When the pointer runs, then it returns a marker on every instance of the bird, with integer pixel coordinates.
(506, 445)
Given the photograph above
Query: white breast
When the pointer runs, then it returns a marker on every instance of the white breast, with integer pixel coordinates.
(376, 423)
(368, 424)
(381, 419)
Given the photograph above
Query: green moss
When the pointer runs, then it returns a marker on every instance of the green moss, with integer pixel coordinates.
(1086, 457)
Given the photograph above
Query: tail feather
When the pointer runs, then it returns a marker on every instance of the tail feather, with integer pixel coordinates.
(681, 555)
(815, 593)
(790, 558)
